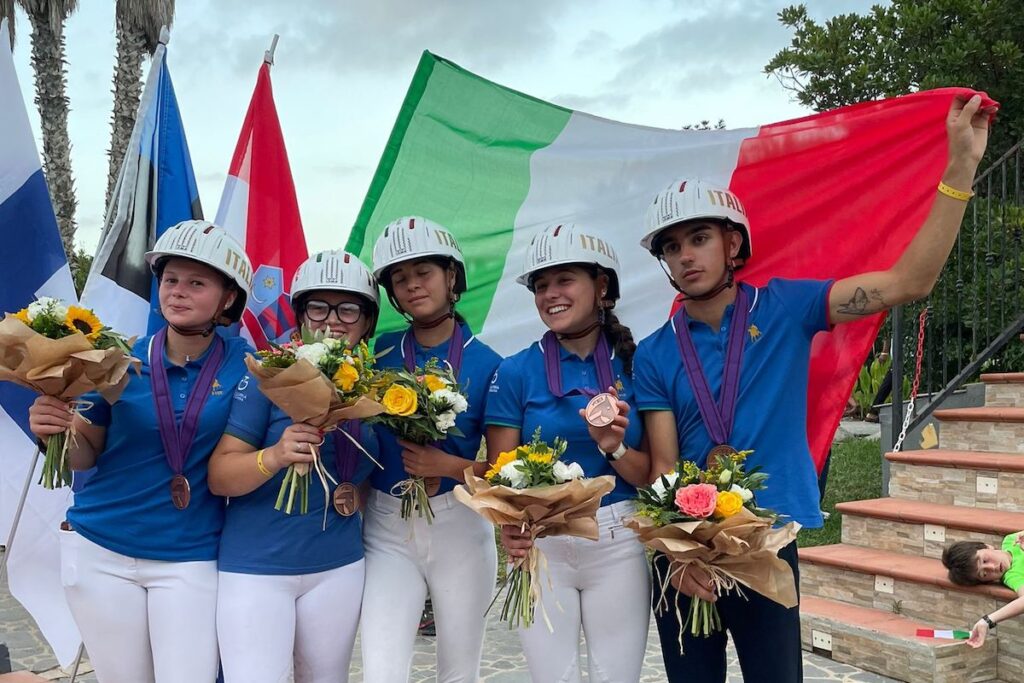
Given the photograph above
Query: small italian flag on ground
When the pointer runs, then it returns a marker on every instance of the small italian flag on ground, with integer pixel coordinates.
(950, 635)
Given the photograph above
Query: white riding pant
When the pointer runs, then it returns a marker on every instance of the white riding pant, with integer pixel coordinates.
(603, 587)
(268, 624)
(454, 559)
(142, 621)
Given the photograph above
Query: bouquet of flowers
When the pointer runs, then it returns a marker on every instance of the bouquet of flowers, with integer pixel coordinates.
(420, 407)
(321, 381)
(63, 351)
(533, 489)
(709, 519)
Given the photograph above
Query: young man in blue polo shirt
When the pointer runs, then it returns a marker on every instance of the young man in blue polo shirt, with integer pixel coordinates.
(701, 236)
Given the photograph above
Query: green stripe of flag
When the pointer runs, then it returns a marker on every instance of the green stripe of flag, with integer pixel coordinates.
(459, 154)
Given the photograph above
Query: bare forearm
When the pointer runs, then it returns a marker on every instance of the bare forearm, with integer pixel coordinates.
(1008, 611)
(87, 445)
(634, 467)
(236, 473)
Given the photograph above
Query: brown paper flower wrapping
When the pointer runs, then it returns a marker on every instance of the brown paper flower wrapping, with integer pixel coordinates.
(64, 368)
(568, 509)
(305, 394)
(743, 547)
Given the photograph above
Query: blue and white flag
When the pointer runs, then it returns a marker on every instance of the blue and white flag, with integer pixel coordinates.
(32, 264)
(156, 188)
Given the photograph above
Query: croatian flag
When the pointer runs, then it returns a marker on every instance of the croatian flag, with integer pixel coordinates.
(32, 264)
(259, 208)
(156, 188)
(829, 195)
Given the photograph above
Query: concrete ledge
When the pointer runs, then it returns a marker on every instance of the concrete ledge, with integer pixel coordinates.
(953, 516)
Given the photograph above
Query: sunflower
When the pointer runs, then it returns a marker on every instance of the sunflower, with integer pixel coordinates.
(83, 320)
(503, 459)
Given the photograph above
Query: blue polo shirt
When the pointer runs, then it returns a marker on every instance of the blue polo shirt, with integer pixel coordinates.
(519, 398)
(771, 409)
(126, 505)
(479, 362)
(257, 539)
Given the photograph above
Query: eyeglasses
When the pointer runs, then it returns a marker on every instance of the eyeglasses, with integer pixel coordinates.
(318, 311)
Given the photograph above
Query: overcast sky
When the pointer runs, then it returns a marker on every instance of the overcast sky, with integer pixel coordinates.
(342, 69)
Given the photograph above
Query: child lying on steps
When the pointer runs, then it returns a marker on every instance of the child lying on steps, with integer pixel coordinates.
(971, 563)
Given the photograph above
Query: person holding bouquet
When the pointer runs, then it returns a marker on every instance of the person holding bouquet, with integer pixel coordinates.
(452, 555)
(550, 385)
(139, 548)
(729, 373)
(307, 569)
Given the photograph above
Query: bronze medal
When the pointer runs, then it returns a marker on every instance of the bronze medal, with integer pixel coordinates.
(346, 499)
(721, 451)
(181, 492)
(432, 485)
(602, 410)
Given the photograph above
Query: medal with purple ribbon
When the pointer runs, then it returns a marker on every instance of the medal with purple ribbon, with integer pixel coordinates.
(177, 439)
(602, 408)
(346, 495)
(717, 417)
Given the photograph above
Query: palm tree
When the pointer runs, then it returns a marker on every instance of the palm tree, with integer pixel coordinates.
(138, 25)
(47, 18)
(7, 12)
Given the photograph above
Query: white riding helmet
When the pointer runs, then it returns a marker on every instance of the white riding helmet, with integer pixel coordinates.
(690, 199)
(336, 270)
(211, 245)
(414, 237)
(564, 244)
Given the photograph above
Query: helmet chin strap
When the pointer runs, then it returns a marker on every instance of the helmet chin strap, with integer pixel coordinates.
(581, 333)
(204, 330)
(728, 280)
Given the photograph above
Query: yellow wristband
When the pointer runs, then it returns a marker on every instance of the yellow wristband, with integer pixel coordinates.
(954, 193)
(260, 466)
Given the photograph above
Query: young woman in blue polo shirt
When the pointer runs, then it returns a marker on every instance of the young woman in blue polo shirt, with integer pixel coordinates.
(139, 549)
(575, 282)
(423, 272)
(701, 234)
(291, 588)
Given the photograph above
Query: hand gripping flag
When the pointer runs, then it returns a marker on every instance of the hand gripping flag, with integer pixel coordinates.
(829, 195)
(260, 209)
(32, 263)
(156, 188)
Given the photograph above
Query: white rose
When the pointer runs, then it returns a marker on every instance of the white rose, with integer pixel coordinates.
(445, 421)
(561, 472)
(313, 353)
(659, 488)
(459, 403)
(725, 477)
(40, 305)
(745, 494)
(331, 343)
(512, 473)
(454, 399)
(575, 471)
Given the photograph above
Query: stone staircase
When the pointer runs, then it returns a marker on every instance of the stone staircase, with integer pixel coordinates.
(862, 600)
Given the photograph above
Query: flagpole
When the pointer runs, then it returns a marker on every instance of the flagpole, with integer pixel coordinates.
(17, 514)
(268, 56)
(78, 662)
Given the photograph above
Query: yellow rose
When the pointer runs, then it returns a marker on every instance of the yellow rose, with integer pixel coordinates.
(22, 315)
(346, 377)
(727, 504)
(434, 383)
(399, 400)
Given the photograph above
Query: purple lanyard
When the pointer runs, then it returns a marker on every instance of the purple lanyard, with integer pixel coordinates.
(455, 345)
(345, 455)
(177, 439)
(553, 367)
(718, 417)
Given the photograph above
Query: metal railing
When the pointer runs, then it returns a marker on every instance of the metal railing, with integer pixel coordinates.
(977, 306)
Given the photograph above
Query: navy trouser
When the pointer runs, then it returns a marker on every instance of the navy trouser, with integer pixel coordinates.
(766, 635)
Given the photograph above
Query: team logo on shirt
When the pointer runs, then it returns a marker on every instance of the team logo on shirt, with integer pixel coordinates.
(494, 383)
(754, 333)
(618, 384)
(216, 389)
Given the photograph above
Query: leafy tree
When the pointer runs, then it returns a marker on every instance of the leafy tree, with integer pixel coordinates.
(906, 46)
(80, 263)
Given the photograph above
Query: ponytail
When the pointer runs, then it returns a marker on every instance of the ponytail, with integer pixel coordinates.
(621, 339)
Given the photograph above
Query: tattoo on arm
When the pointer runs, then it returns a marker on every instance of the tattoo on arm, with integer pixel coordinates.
(863, 303)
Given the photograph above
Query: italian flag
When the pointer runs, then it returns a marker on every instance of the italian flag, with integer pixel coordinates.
(828, 196)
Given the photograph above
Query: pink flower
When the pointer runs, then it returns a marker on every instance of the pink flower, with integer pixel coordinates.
(697, 500)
